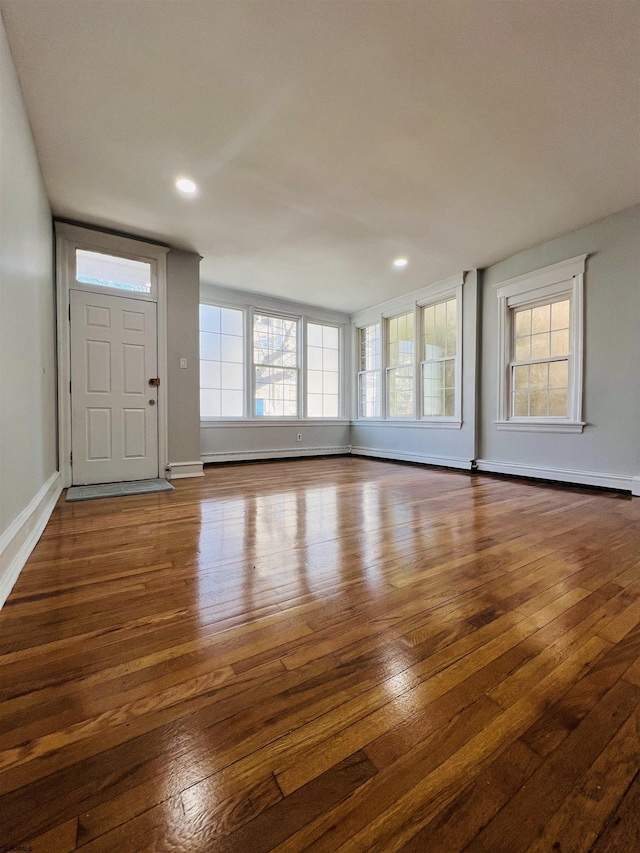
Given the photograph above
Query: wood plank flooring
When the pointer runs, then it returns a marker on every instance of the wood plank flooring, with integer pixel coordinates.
(326, 655)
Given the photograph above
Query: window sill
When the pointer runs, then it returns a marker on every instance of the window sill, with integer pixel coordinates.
(541, 425)
(380, 422)
(270, 422)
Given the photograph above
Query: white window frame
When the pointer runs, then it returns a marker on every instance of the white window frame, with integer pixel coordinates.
(435, 298)
(387, 368)
(305, 367)
(360, 373)
(213, 419)
(247, 302)
(561, 280)
(299, 368)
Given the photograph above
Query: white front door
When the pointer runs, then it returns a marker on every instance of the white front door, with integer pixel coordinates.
(114, 412)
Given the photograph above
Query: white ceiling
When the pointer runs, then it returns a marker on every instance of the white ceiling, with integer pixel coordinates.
(328, 138)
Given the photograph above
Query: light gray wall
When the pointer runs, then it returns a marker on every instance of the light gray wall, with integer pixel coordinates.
(610, 443)
(250, 440)
(435, 444)
(183, 389)
(27, 315)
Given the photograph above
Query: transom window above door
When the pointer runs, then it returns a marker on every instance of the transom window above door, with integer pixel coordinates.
(111, 271)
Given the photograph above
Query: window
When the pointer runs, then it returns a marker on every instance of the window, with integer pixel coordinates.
(400, 366)
(323, 371)
(275, 362)
(369, 395)
(440, 345)
(221, 362)
(540, 341)
(540, 364)
(112, 271)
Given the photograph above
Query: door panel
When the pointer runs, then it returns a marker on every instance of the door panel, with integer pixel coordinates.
(114, 424)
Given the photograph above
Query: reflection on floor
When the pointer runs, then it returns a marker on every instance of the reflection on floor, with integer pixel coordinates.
(335, 654)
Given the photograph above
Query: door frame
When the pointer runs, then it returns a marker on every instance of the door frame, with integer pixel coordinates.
(69, 238)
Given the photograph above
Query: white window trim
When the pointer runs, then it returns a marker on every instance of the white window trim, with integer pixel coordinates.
(341, 368)
(246, 368)
(359, 372)
(249, 309)
(562, 279)
(387, 368)
(300, 370)
(435, 299)
(429, 295)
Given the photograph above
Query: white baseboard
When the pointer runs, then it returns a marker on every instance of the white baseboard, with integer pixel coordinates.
(562, 475)
(283, 453)
(181, 470)
(635, 486)
(441, 461)
(21, 537)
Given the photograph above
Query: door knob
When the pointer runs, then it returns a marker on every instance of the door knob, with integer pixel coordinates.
(152, 402)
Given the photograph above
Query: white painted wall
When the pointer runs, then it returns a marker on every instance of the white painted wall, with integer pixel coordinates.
(27, 313)
(418, 442)
(608, 451)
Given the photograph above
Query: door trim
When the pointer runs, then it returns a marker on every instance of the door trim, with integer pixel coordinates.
(68, 239)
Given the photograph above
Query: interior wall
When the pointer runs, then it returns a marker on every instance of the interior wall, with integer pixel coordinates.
(225, 441)
(417, 441)
(183, 384)
(608, 450)
(27, 309)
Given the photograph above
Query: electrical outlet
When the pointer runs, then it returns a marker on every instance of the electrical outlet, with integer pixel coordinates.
(299, 436)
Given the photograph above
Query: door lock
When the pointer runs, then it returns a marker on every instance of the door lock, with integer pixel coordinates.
(154, 382)
(152, 402)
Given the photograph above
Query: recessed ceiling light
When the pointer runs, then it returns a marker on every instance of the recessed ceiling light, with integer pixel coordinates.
(186, 186)
(400, 262)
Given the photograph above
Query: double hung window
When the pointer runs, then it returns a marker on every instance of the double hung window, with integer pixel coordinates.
(275, 365)
(440, 347)
(400, 366)
(259, 365)
(540, 349)
(369, 381)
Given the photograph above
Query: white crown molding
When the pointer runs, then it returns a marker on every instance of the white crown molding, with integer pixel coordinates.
(20, 538)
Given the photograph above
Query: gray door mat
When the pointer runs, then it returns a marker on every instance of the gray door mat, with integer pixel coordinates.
(117, 490)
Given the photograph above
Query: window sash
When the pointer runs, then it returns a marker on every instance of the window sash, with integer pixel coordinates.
(377, 403)
(330, 395)
(451, 303)
(362, 356)
(514, 363)
(390, 372)
(397, 365)
(294, 367)
(226, 373)
(452, 359)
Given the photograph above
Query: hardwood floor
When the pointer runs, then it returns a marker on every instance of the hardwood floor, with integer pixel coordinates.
(323, 655)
